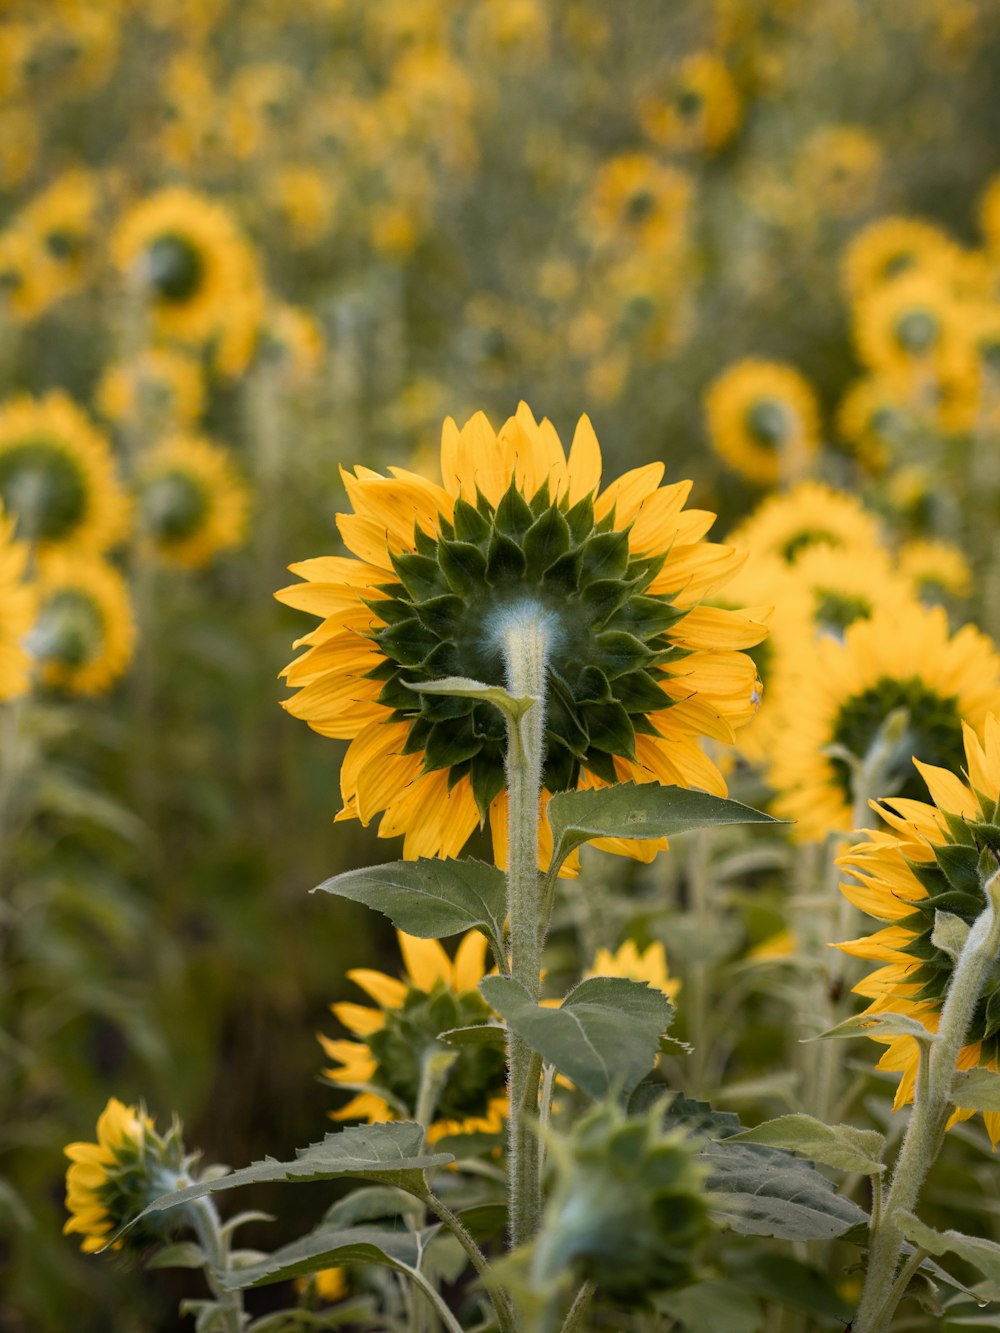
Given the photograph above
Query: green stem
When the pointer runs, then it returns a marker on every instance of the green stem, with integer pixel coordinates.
(480, 1263)
(932, 1108)
(697, 990)
(579, 1307)
(205, 1221)
(434, 1297)
(525, 645)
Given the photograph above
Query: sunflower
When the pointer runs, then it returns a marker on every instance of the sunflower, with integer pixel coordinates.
(886, 249)
(637, 671)
(637, 200)
(261, 108)
(845, 586)
(17, 613)
(810, 514)
(111, 1181)
(385, 1066)
(763, 419)
(702, 110)
(84, 635)
(27, 287)
(898, 659)
(303, 203)
(838, 169)
(189, 258)
(160, 388)
(913, 324)
(925, 860)
(57, 475)
(62, 220)
(935, 569)
(877, 414)
(648, 965)
(193, 502)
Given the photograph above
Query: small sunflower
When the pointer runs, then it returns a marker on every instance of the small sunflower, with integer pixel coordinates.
(811, 514)
(17, 613)
(925, 860)
(57, 475)
(384, 1067)
(838, 169)
(27, 282)
(189, 257)
(62, 220)
(702, 110)
(193, 502)
(763, 419)
(913, 323)
(638, 200)
(935, 569)
(637, 672)
(303, 202)
(846, 586)
(648, 965)
(877, 414)
(902, 658)
(161, 387)
(84, 634)
(111, 1181)
(890, 247)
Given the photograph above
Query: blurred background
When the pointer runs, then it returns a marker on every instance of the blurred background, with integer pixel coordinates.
(243, 244)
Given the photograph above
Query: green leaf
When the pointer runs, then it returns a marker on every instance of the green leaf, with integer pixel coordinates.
(840, 1146)
(480, 1034)
(787, 1282)
(358, 1312)
(949, 934)
(327, 1247)
(982, 1254)
(372, 1203)
(391, 1153)
(185, 1254)
(643, 810)
(429, 897)
(976, 1090)
(766, 1192)
(604, 1036)
(510, 705)
(878, 1025)
(711, 1305)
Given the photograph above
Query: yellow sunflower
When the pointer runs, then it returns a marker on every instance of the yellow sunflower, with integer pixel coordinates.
(385, 1066)
(193, 502)
(648, 965)
(877, 414)
(702, 109)
(890, 247)
(811, 514)
(84, 634)
(913, 324)
(848, 585)
(638, 671)
(57, 475)
(27, 282)
(638, 200)
(838, 168)
(62, 220)
(902, 875)
(898, 659)
(934, 569)
(161, 388)
(111, 1181)
(188, 256)
(303, 202)
(763, 419)
(17, 613)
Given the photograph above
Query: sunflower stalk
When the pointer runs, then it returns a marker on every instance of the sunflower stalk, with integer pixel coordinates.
(525, 651)
(933, 1106)
(205, 1220)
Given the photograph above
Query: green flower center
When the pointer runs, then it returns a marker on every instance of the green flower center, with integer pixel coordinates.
(933, 733)
(64, 245)
(769, 422)
(836, 610)
(174, 268)
(804, 540)
(898, 263)
(689, 103)
(607, 637)
(410, 1037)
(69, 631)
(640, 206)
(174, 506)
(918, 330)
(44, 486)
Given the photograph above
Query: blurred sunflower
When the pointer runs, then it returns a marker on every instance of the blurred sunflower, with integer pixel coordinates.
(637, 671)
(763, 419)
(17, 613)
(912, 324)
(291, 339)
(902, 658)
(26, 280)
(637, 200)
(261, 108)
(628, 961)
(928, 859)
(890, 247)
(187, 254)
(193, 502)
(386, 1066)
(935, 569)
(810, 514)
(84, 633)
(876, 415)
(702, 109)
(838, 169)
(57, 475)
(62, 222)
(161, 389)
(848, 585)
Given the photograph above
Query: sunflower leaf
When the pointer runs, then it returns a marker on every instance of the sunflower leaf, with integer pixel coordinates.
(840, 1146)
(982, 1254)
(976, 1090)
(878, 1025)
(949, 934)
(396, 1247)
(643, 810)
(391, 1153)
(512, 706)
(763, 1191)
(604, 1036)
(430, 898)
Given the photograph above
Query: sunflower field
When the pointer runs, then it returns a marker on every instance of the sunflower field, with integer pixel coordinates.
(527, 471)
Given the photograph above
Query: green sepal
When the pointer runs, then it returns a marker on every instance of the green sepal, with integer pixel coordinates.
(463, 565)
(407, 641)
(604, 556)
(546, 540)
(615, 652)
(513, 514)
(602, 598)
(419, 574)
(609, 728)
(505, 561)
(470, 525)
(960, 865)
(440, 614)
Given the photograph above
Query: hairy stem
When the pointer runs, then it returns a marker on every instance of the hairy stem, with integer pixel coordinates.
(205, 1221)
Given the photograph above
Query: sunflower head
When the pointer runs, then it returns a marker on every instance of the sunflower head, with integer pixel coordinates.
(84, 634)
(399, 1041)
(932, 859)
(111, 1181)
(763, 419)
(702, 109)
(648, 965)
(635, 669)
(193, 503)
